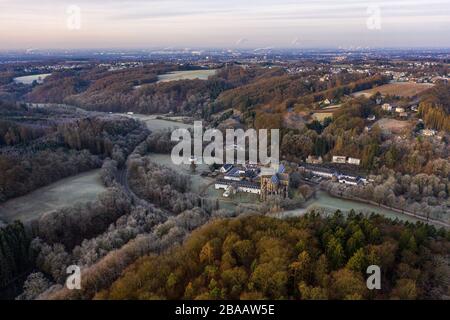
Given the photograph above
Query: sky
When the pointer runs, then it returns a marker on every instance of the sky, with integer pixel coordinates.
(81, 24)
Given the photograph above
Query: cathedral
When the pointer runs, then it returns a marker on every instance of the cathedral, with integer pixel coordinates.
(274, 182)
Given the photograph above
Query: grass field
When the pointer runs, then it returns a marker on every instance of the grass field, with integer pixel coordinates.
(400, 89)
(154, 124)
(80, 188)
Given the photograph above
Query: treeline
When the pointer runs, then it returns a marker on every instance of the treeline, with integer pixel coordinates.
(15, 255)
(422, 194)
(306, 258)
(434, 108)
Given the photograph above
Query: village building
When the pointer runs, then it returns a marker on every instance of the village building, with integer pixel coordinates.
(232, 187)
(354, 161)
(339, 159)
(428, 132)
(317, 171)
(386, 107)
(314, 160)
(349, 180)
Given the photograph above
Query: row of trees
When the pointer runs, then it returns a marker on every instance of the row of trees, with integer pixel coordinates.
(435, 107)
(423, 194)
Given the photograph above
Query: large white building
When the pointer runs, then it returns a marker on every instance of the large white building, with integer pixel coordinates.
(241, 186)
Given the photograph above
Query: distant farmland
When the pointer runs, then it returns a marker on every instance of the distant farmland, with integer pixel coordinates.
(400, 89)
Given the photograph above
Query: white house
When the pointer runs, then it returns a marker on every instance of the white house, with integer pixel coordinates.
(354, 161)
(386, 107)
(399, 110)
(339, 159)
(428, 132)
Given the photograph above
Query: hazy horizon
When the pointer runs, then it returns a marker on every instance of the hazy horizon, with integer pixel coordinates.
(135, 24)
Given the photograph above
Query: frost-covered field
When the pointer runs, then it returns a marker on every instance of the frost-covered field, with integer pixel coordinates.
(30, 79)
(186, 75)
(66, 192)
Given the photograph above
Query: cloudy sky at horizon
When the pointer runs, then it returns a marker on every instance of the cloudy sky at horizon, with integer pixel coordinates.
(218, 23)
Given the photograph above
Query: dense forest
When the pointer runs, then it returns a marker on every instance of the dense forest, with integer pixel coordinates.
(43, 145)
(137, 89)
(15, 255)
(311, 257)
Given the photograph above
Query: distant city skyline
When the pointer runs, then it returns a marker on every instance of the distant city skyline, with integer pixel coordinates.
(84, 24)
